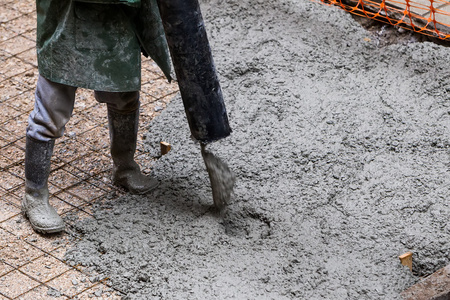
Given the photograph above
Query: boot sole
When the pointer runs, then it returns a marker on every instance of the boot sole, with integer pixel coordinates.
(134, 192)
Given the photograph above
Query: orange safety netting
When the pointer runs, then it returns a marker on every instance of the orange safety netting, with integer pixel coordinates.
(430, 17)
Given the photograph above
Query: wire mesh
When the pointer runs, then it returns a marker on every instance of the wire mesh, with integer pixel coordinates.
(428, 17)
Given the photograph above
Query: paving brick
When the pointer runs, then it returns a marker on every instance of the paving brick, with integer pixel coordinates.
(6, 34)
(92, 163)
(86, 191)
(77, 215)
(25, 25)
(24, 7)
(17, 125)
(12, 155)
(48, 243)
(18, 225)
(61, 206)
(23, 104)
(30, 58)
(8, 209)
(64, 178)
(99, 291)
(45, 268)
(9, 284)
(59, 252)
(14, 66)
(41, 293)
(4, 268)
(78, 124)
(17, 253)
(5, 238)
(12, 181)
(68, 149)
(17, 44)
(13, 198)
(71, 283)
(7, 14)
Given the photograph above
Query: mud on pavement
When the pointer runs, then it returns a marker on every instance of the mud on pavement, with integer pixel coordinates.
(341, 153)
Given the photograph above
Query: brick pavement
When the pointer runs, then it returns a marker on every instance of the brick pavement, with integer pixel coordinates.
(32, 266)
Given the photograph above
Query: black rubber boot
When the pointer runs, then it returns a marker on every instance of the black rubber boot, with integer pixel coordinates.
(42, 216)
(123, 130)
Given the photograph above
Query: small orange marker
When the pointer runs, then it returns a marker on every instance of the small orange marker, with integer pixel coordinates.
(406, 259)
(165, 148)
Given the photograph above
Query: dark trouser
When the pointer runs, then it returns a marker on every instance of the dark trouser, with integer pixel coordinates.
(54, 106)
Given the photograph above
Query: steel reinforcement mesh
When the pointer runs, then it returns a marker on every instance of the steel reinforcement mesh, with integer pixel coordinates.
(429, 17)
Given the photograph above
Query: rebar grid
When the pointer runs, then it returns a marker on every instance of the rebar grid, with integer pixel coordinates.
(32, 266)
(427, 17)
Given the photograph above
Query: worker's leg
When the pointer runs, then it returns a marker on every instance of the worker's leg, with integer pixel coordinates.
(52, 110)
(123, 118)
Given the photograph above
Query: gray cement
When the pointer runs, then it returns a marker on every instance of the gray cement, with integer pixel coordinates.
(341, 154)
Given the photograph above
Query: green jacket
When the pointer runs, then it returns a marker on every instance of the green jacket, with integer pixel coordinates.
(96, 44)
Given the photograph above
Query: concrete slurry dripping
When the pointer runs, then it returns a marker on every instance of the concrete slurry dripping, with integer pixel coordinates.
(222, 179)
(341, 154)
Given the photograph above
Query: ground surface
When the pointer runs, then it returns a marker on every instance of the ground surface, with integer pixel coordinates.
(341, 152)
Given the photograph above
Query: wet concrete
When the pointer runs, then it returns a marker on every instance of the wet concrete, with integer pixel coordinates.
(341, 153)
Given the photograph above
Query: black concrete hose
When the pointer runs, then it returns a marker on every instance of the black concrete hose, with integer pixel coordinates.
(195, 70)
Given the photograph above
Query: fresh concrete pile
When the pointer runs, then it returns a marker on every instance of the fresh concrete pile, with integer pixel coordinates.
(341, 154)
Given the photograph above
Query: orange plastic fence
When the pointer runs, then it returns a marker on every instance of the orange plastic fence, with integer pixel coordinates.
(430, 17)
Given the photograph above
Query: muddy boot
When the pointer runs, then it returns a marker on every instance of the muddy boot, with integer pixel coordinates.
(123, 135)
(35, 205)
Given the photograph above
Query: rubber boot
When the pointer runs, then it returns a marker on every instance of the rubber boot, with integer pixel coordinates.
(42, 216)
(123, 130)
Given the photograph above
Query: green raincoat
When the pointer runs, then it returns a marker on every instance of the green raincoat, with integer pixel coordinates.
(97, 44)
